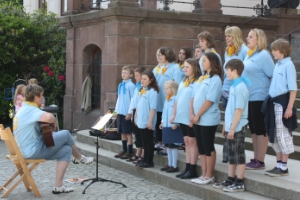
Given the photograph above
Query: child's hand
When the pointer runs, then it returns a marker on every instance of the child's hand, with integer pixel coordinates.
(196, 119)
(160, 126)
(191, 124)
(172, 119)
(223, 130)
(288, 113)
(128, 117)
(174, 127)
(149, 125)
(42, 106)
(192, 116)
(230, 135)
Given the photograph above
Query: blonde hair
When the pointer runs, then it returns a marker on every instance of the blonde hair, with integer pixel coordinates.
(128, 68)
(261, 39)
(173, 85)
(237, 37)
(32, 81)
(18, 91)
(282, 46)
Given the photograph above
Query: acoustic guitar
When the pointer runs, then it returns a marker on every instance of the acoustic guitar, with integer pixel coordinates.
(46, 130)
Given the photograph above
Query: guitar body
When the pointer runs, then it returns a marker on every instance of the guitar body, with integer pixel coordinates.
(47, 134)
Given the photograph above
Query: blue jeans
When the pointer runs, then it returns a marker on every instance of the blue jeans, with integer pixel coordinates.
(224, 102)
(61, 151)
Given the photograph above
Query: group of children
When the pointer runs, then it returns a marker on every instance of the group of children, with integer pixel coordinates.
(179, 100)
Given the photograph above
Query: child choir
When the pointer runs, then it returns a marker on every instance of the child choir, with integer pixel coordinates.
(178, 101)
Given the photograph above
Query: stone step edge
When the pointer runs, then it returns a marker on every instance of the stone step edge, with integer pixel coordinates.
(253, 180)
(162, 178)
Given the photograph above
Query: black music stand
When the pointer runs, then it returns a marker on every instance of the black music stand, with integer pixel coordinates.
(101, 122)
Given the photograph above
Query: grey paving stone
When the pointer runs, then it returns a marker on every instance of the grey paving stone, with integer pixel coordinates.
(44, 176)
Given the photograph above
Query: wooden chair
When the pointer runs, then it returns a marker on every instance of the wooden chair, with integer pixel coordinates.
(24, 166)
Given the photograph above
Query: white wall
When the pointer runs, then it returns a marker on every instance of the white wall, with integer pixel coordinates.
(54, 6)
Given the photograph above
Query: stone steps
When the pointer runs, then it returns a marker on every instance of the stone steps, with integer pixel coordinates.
(258, 185)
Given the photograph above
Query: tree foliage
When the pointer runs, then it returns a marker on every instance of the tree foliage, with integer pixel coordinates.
(29, 42)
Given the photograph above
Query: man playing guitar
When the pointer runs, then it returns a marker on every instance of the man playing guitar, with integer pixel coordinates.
(27, 133)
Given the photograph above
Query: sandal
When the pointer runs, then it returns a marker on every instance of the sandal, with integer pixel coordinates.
(182, 147)
(131, 159)
(62, 189)
(139, 160)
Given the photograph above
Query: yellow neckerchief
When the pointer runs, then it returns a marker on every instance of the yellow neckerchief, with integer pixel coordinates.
(31, 103)
(143, 91)
(164, 69)
(213, 50)
(157, 69)
(168, 97)
(230, 50)
(251, 52)
(187, 82)
(202, 78)
(181, 66)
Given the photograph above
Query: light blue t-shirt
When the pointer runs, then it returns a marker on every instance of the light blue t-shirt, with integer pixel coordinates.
(203, 53)
(241, 56)
(172, 73)
(27, 129)
(238, 98)
(284, 78)
(168, 111)
(146, 103)
(208, 89)
(158, 73)
(259, 69)
(183, 103)
(182, 71)
(125, 93)
(135, 97)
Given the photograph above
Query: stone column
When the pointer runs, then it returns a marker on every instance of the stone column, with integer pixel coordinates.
(148, 4)
(123, 3)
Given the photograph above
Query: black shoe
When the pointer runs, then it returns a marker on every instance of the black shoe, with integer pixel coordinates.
(165, 168)
(181, 174)
(223, 184)
(279, 172)
(235, 187)
(271, 171)
(189, 175)
(145, 165)
(224, 161)
(172, 169)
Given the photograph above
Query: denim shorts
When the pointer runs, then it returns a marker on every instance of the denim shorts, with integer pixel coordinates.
(61, 151)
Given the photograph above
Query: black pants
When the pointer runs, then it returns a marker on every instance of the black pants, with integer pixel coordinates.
(158, 131)
(136, 131)
(148, 145)
(205, 136)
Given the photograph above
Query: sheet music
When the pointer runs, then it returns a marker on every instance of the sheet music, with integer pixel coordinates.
(103, 121)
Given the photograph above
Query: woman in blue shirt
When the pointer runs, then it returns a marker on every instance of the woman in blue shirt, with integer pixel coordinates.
(184, 53)
(259, 67)
(236, 49)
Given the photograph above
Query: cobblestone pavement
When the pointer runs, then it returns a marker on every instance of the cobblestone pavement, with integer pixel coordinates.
(137, 188)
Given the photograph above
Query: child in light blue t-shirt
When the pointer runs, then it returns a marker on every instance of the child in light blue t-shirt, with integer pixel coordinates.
(145, 116)
(125, 93)
(168, 71)
(171, 88)
(236, 115)
(282, 118)
(206, 114)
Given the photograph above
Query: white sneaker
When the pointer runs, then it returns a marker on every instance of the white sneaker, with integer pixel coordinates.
(62, 189)
(84, 160)
(205, 180)
(196, 180)
(157, 146)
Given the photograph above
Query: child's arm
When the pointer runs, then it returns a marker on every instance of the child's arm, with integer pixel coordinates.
(289, 110)
(192, 110)
(130, 111)
(174, 113)
(151, 116)
(202, 110)
(236, 118)
(223, 130)
(135, 116)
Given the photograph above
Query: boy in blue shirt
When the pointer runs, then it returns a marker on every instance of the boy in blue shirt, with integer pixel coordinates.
(125, 93)
(236, 115)
(280, 113)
